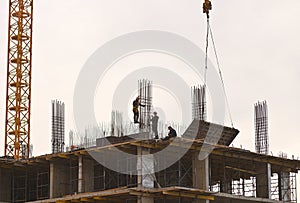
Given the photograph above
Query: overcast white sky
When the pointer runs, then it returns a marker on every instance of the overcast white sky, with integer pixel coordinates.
(258, 46)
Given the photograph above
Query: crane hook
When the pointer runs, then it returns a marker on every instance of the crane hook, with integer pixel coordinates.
(207, 7)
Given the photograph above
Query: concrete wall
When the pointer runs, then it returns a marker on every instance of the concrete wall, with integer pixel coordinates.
(263, 180)
(59, 179)
(5, 185)
(88, 175)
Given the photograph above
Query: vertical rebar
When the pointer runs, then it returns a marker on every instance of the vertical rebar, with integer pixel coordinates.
(116, 123)
(261, 127)
(58, 126)
(145, 94)
(199, 102)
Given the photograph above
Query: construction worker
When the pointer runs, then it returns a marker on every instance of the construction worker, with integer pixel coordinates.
(172, 133)
(154, 120)
(136, 103)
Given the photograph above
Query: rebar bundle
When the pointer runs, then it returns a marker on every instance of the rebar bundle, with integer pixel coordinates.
(58, 126)
(261, 127)
(199, 102)
(145, 94)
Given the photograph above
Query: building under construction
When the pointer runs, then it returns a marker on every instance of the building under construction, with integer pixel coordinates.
(226, 174)
(197, 166)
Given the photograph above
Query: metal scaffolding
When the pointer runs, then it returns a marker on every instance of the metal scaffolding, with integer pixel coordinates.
(261, 128)
(73, 177)
(199, 102)
(31, 184)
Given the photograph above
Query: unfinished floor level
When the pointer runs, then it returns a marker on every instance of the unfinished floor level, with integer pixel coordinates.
(225, 175)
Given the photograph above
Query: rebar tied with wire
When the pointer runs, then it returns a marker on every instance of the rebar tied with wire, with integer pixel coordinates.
(199, 102)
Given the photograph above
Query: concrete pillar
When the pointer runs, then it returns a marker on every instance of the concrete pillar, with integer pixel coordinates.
(201, 174)
(263, 180)
(80, 175)
(139, 166)
(142, 166)
(85, 174)
(51, 193)
(59, 179)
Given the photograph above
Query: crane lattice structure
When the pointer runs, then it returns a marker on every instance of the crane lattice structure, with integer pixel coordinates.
(18, 94)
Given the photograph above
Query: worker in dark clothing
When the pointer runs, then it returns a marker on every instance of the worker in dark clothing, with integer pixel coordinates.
(136, 103)
(172, 133)
(154, 120)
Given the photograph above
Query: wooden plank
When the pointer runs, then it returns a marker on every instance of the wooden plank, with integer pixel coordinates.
(189, 195)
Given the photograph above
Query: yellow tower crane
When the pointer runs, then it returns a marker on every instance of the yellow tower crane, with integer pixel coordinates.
(18, 92)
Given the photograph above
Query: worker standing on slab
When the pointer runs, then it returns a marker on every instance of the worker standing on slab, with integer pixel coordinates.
(154, 120)
(136, 104)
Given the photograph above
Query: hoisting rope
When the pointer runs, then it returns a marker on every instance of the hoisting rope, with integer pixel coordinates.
(206, 7)
(206, 52)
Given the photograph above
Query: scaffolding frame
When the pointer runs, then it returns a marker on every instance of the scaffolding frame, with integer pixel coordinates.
(73, 176)
(19, 188)
(42, 184)
(30, 184)
(283, 187)
(178, 174)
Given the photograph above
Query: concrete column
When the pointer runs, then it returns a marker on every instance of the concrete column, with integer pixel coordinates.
(263, 180)
(51, 195)
(80, 175)
(59, 179)
(139, 166)
(140, 169)
(201, 174)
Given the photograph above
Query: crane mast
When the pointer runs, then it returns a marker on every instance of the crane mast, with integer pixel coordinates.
(18, 92)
